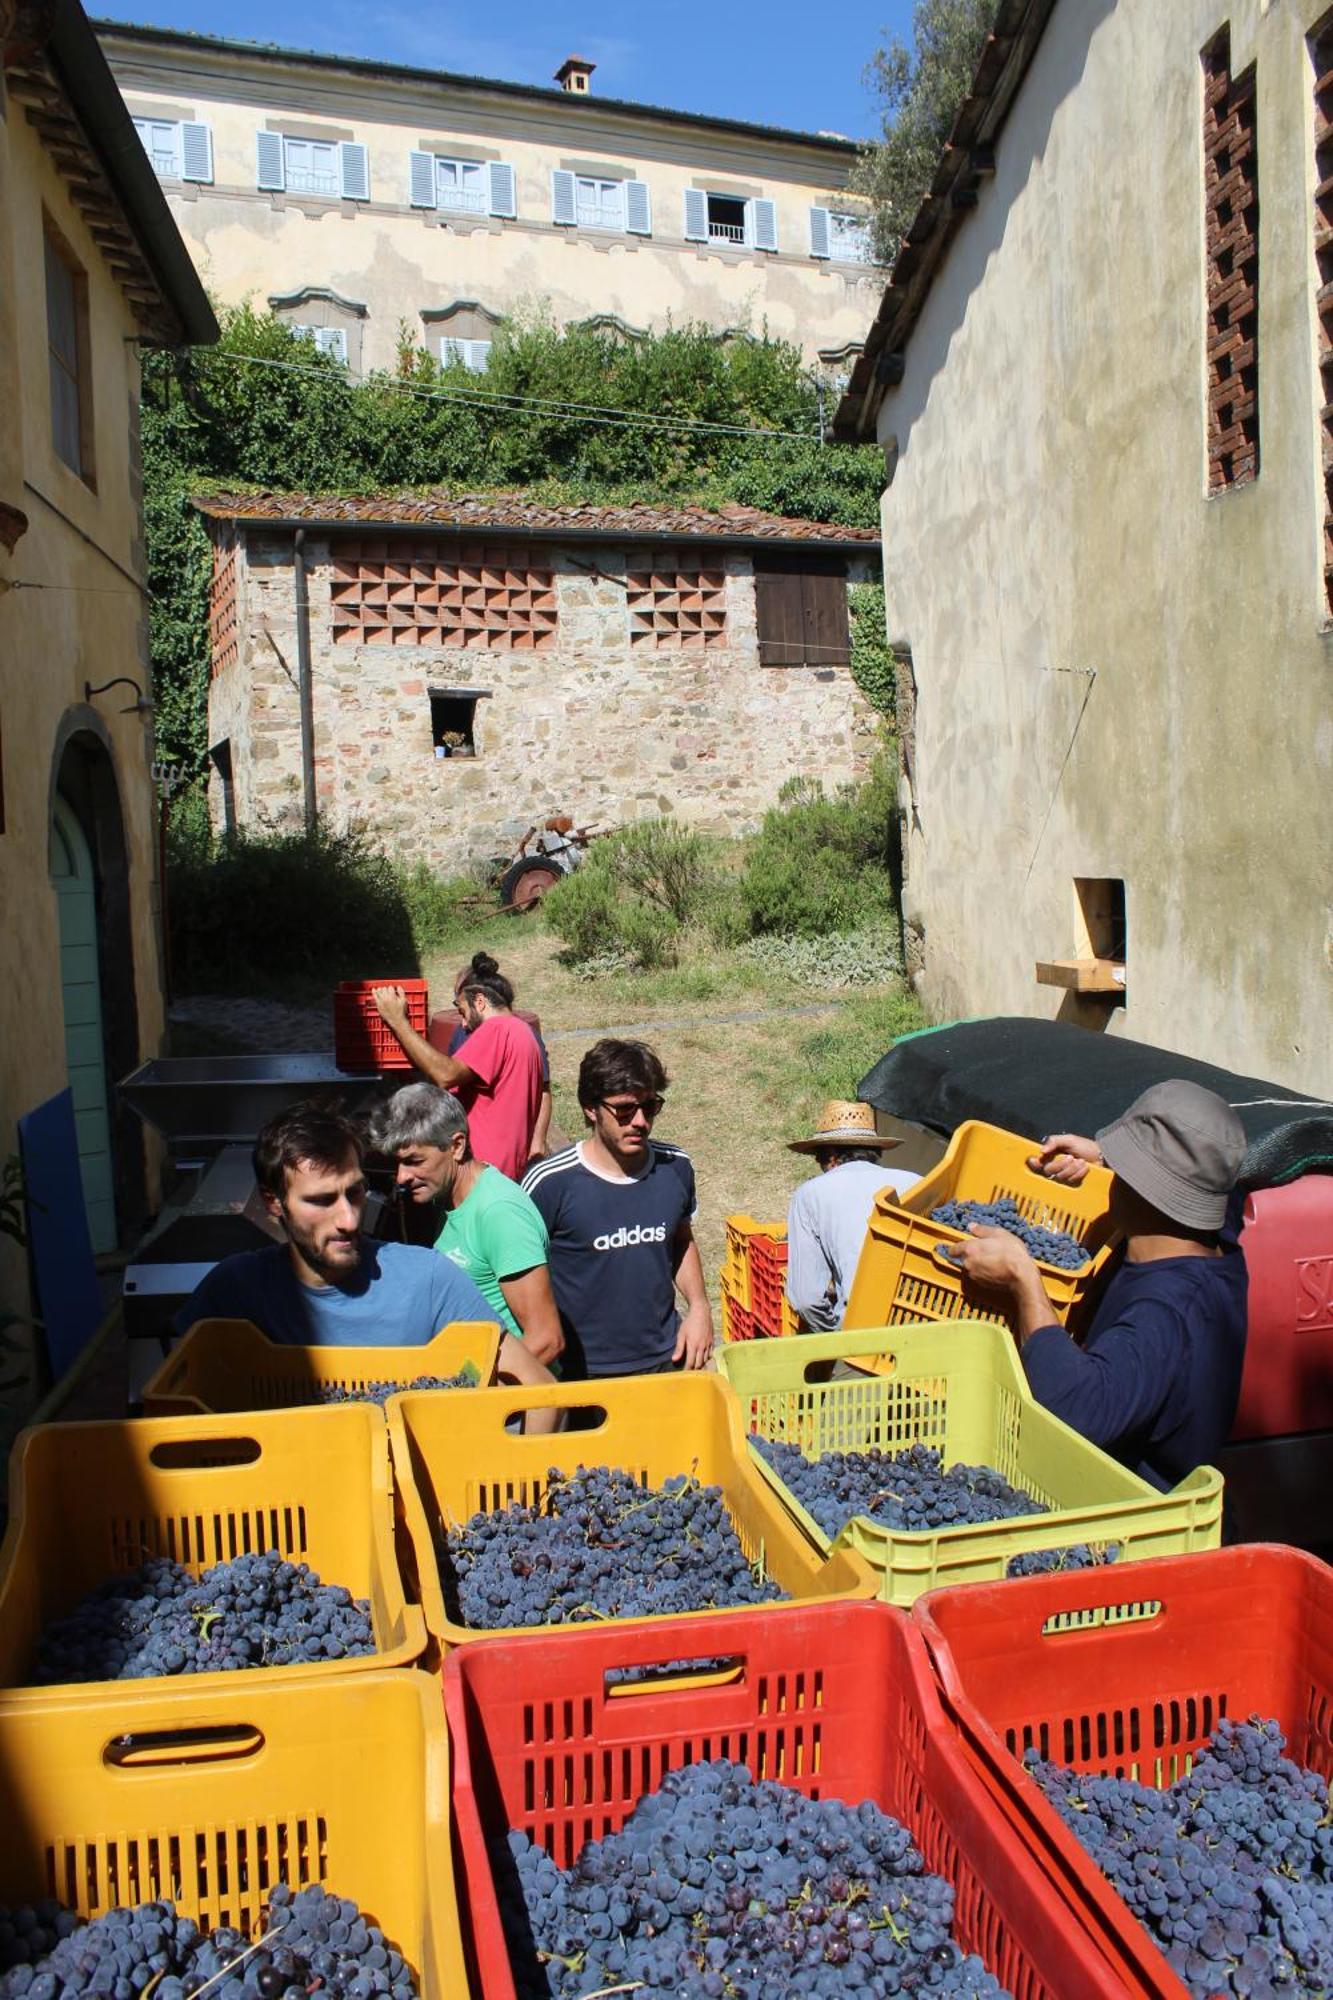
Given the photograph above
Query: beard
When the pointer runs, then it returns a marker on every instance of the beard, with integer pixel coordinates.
(329, 1266)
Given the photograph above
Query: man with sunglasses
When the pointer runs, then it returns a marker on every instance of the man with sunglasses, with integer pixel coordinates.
(618, 1208)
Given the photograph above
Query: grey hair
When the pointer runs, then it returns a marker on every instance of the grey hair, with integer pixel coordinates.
(420, 1114)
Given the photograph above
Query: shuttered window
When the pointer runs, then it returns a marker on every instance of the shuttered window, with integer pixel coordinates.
(463, 187)
(178, 151)
(801, 611)
(67, 351)
(312, 166)
(474, 354)
(589, 201)
(330, 340)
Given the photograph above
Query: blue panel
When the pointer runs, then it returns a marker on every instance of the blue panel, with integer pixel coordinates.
(69, 1299)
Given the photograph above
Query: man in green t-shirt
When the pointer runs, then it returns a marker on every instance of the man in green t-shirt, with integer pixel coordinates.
(492, 1230)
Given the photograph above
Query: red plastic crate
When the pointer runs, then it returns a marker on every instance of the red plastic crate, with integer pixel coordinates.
(837, 1701)
(737, 1323)
(361, 1041)
(1130, 1674)
(768, 1287)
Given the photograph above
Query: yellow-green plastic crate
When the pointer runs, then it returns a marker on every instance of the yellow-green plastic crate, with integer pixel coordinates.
(957, 1385)
(228, 1365)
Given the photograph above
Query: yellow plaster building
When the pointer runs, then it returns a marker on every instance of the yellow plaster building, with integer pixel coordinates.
(91, 268)
(1102, 377)
(361, 198)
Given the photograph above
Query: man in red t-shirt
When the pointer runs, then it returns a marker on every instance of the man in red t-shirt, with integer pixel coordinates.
(497, 1076)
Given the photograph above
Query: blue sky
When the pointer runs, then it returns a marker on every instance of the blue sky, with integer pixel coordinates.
(775, 63)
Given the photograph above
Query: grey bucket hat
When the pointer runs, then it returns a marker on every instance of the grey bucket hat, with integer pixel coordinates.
(1180, 1147)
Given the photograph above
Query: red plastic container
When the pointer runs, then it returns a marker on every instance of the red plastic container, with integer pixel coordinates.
(768, 1287)
(1287, 1387)
(1130, 1674)
(838, 1701)
(361, 1041)
(737, 1323)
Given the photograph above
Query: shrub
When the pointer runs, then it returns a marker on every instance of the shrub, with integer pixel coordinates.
(661, 862)
(847, 958)
(273, 908)
(821, 864)
(874, 668)
(600, 921)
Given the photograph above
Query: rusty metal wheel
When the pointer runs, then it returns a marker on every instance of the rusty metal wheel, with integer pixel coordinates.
(526, 883)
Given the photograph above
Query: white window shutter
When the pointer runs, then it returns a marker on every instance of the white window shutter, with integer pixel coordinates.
(696, 216)
(563, 206)
(196, 152)
(332, 340)
(421, 168)
(452, 350)
(502, 188)
(354, 172)
(478, 356)
(819, 232)
(268, 160)
(638, 208)
(764, 218)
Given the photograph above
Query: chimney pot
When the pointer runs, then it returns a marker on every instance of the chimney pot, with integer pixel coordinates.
(575, 74)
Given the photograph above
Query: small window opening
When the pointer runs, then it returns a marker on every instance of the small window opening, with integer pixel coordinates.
(453, 717)
(220, 758)
(726, 219)
(1101, 909)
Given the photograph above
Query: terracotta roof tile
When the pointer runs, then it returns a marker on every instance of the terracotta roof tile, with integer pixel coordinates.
(514, 512)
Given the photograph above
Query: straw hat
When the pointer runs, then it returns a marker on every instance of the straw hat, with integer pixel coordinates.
(843, 1123)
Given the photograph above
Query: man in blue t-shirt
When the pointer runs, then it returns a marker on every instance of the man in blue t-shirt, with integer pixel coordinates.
(1157, 1380)
(618, 1208)
(328, 1285)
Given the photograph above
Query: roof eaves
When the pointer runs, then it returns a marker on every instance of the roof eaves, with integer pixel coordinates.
(583, 105)
(81, 70)
(967, 161)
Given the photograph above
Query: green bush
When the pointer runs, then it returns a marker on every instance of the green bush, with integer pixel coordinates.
(602, 923)
(874, 668)
(284, 909)
(868, 957)
(821, 864)
(661, 862)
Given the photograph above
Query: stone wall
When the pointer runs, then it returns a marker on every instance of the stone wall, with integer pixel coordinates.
(603, 719)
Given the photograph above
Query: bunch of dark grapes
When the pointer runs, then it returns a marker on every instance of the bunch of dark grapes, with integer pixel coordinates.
(1045, 1562)
(311, 1941)
(599, 1545)
(255, 1611)
(908, 1491)
(1048, 1246)
(717, 1886)
(379, 1392)
(1230, 1869)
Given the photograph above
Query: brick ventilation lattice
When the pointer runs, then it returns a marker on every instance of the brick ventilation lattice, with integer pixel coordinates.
(1321, 49)
(223, 636)
(676, 604)
(415, 594)
(1231, 210)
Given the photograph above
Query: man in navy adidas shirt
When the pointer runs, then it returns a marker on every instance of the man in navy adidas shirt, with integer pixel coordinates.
(618, 1207)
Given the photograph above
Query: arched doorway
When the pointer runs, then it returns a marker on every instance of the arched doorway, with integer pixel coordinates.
(74, 880)
(99, 954)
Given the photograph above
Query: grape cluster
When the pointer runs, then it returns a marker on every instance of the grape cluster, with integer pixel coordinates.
(599, 1545)
(379, 1392)
(310, 1941)
(1045, 1562)
(908, 1491)
(1048, 1246)
(255, 1611)
(1230, 1869)
(720, 1886)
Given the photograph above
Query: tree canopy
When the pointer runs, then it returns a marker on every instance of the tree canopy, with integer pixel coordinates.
(920, 89)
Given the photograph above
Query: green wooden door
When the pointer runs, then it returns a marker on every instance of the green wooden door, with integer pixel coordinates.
(73, 880)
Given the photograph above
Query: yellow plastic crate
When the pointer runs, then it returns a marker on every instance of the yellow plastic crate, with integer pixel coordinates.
(736, 1258)
(453, 1457)
(92, 1501)
(756, 1282)
(229, 1365)
(903, 1277)
(956, 1385)
(214, 1795)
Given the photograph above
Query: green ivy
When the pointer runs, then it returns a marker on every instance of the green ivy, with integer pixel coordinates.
(216, 418)
(874, 668)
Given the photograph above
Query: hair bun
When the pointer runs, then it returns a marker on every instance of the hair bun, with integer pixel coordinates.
(484, 965)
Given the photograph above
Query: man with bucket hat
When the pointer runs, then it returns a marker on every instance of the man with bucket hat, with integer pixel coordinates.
(826, 1222)
(1157, 1379)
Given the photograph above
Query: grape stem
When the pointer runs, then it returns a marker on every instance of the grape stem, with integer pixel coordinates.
(275, 1931)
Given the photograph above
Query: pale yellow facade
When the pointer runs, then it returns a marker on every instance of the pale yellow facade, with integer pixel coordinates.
(76, 1007)
(375, 266)
(1118, 677)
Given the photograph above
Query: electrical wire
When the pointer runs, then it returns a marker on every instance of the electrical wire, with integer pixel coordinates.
(495, 403)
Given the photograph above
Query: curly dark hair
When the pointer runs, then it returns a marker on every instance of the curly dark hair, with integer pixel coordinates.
(303, 1132)
(610, 1066)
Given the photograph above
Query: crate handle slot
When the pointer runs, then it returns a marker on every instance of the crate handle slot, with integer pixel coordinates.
(198, 1453)
(1103, 1619)
(688, 1676)
(213, 1743)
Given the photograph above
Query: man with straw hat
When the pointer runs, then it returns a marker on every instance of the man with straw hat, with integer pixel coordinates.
(827, 1219)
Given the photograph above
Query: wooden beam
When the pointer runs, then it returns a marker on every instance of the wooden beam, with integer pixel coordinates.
(1082, 975)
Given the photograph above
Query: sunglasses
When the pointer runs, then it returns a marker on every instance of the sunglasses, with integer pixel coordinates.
(624, 1114)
